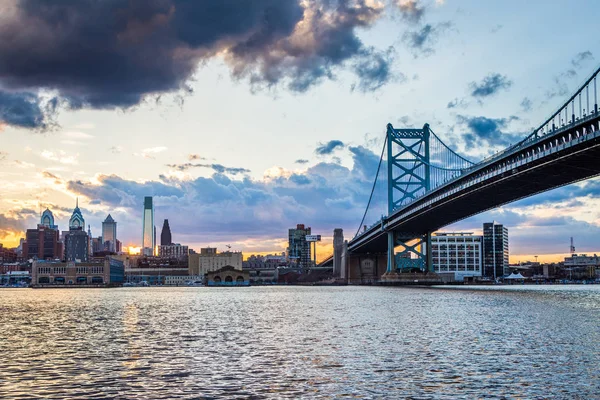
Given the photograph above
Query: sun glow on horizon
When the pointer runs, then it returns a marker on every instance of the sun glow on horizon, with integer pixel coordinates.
(133, 250)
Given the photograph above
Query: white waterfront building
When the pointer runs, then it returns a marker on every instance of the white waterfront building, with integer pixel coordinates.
(457, 253)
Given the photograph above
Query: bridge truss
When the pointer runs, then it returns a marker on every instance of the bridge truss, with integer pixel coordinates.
(419, 162)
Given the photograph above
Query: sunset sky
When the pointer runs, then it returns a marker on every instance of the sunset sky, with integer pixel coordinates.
(244, 117)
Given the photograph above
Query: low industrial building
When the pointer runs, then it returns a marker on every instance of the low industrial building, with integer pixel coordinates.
(15, 278)
(228, 276)
(263, 275)
(209, 260)
(111, 272)
(173, 251)
(153, 275)
(582, 266)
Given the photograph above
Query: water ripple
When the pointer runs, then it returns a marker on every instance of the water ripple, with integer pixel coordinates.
(292, 342)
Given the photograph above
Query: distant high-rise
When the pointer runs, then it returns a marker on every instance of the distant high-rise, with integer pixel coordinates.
(495, 250)
(77, 246)
(47, 220)
(298, 247)
(148, 235)
(109, 234)
(43, 242)
(76, 242)
(165, 235)
(76, 222)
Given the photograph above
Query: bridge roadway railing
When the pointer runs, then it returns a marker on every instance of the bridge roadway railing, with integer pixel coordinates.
(538, 147)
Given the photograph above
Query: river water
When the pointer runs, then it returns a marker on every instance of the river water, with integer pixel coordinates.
(301, 342)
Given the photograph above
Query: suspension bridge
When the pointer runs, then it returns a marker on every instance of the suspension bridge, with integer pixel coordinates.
(422, 184)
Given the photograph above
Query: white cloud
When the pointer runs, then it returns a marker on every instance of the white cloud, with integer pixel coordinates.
(77, 135)
(60, 156)
(23, 164)
(150, 152)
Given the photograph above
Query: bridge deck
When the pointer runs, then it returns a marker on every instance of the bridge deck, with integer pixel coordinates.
(559, 165)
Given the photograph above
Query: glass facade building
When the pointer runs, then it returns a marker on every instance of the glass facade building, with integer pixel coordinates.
(148, 236)
(495, 250)
(109, 234)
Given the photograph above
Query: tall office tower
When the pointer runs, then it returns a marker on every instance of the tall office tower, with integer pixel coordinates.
(298, 247)
(495, 250)
(76, 222)
(47, 220)
(77, 246)
(148, 235)
(76, 242)
(165, 235)
(109, 234)
(42, 243)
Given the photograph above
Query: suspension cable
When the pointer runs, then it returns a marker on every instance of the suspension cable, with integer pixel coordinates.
(373, 188)
(449, 149)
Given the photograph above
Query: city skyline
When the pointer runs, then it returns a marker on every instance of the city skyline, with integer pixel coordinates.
(231, 162)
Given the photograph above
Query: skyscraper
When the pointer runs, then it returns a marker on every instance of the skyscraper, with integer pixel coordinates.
(76, 222)
(148, 235)
(43, 242)
(47, 220)
(298, 247)
(109, 234)
(165, 235)
(495, 250)
(77, 244)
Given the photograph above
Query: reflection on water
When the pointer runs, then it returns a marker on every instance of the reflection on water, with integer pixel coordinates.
(266, 342)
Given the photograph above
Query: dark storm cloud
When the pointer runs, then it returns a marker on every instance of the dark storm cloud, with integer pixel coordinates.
(113, 53)
(526, 104)
(328, 194)
(8, 225)
(490, 85)
(563, 79)
(457, 103)
(373, 69)
(117, 191)
(299, 179)
(25, 110)
(215, 167)
(485, 131)
(421, 41)
(329, 147)
(411, 10)
(580, 58)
